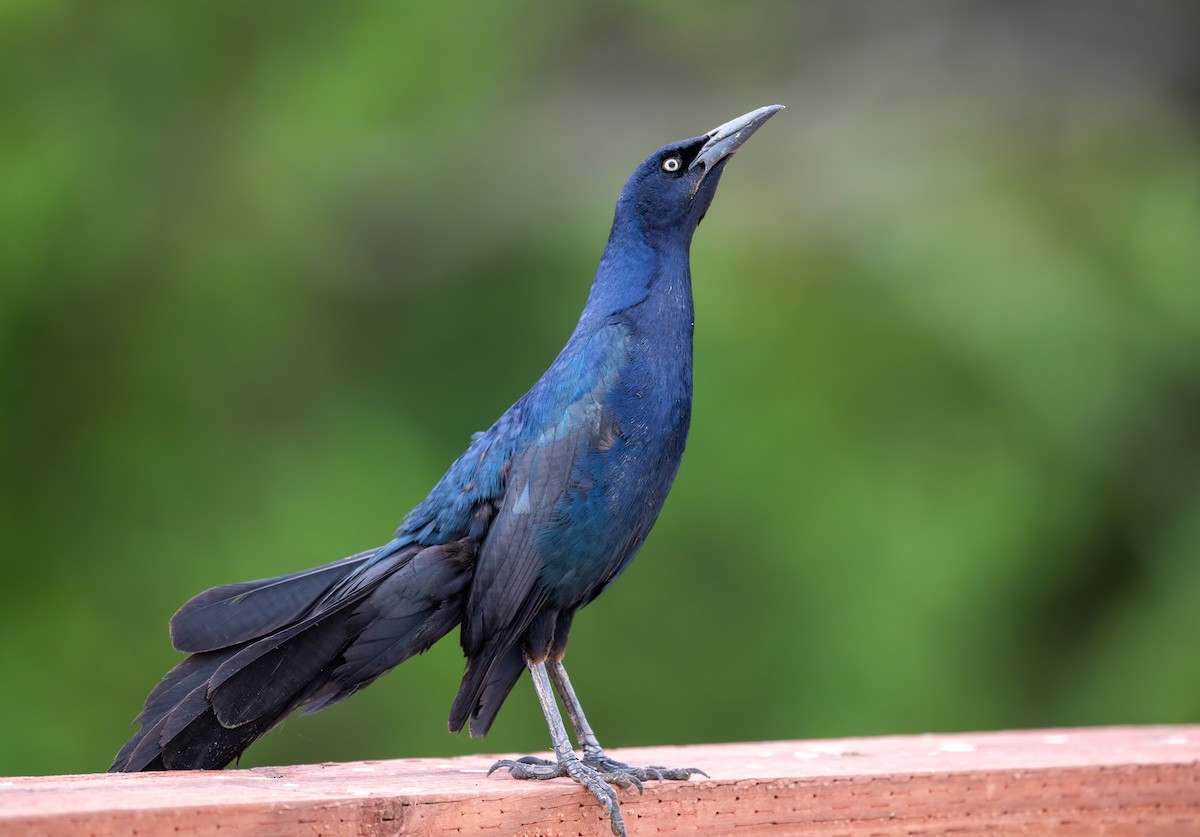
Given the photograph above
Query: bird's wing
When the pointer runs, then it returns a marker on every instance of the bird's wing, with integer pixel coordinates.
(565, 418)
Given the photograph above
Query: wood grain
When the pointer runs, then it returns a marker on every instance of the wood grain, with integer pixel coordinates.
(1105, 781)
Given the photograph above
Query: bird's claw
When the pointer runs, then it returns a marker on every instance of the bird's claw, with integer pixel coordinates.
(596, 772)
(653, 773)
(529, 767)
(596, 781)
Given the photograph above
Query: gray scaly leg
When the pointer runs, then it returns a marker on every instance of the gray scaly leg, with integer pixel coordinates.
(567, 763)
(593, 753)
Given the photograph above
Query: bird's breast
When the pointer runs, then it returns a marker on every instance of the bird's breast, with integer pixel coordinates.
(619, 484)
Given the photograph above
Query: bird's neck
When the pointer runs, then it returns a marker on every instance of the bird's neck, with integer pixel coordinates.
(642, 274)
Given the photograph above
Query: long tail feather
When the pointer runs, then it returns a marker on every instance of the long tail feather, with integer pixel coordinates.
(234, 613)
(289, 642)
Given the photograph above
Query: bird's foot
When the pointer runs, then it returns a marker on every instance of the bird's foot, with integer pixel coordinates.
(601, 763)
(615, 772)
(596, 781)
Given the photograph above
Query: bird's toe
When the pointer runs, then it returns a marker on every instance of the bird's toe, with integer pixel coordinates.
(654, 773)
(530, 767)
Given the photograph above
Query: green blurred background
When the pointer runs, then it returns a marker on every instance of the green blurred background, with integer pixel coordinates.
(266, 266)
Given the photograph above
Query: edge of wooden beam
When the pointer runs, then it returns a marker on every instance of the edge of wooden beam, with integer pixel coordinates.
(1110, 780)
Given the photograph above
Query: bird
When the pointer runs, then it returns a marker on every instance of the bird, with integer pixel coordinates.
(540, 514)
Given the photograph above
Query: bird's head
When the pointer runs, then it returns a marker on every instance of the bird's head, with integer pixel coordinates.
(670, 192)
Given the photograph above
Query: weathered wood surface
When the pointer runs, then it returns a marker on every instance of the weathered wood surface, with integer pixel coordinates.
(1105, 781)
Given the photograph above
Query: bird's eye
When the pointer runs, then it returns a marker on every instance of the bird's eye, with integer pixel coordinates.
(671, 164)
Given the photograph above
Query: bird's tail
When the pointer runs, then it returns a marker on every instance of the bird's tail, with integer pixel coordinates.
(261, 649)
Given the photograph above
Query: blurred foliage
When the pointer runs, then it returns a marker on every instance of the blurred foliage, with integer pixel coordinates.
(266, 266)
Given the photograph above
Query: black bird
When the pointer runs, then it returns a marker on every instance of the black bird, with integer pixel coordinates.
(541, 513)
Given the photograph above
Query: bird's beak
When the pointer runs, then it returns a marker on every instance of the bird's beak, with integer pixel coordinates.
(728, 138)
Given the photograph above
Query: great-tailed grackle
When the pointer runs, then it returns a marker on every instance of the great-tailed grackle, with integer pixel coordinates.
(540, 514)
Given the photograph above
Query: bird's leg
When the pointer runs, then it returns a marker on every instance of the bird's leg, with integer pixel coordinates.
(567, 764)
(593, 753)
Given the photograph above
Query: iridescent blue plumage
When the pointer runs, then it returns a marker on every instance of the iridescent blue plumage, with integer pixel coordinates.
(541, 513)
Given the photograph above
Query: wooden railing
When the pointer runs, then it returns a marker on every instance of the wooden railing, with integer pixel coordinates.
(1105, 781)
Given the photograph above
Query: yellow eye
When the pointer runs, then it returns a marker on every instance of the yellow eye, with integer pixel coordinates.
(671, 164)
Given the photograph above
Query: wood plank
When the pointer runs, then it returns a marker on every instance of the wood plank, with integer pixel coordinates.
(1107, 781)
